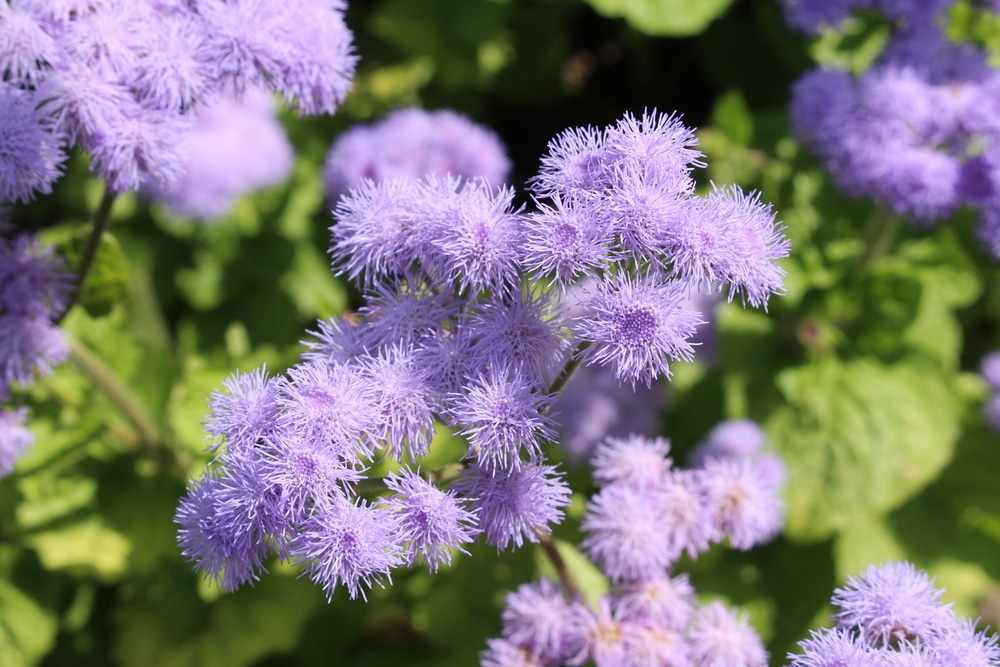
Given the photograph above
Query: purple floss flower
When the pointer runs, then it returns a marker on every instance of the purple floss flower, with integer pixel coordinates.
(647, 209)
(349, 544)
(661, 601)
(29, 344)
(810, 16)
(890, 603)
(566, 240)
(338, 341)
(432, 522)
(332, 404)
(959, 644)
(637, 324)
(576, 162)
(110, 38)
(501, 412)
(743, 506)
(538, 617)
(682, 498)
(451, 355)
(374, 231)
(141, 145)
(31, 146)
(834, 648)
(659, 144)
(505, 653)
(32, 280)
(405, 402)
(991, 411)
(526, 332)
(405, 312)
(15, 438)
(85, 102)
(650, 645)
(316, 62)
(733, 438)
(723, 637)
(303, 473)
(219, 165)
(635, 460)
(472, 234)
(410, 143)
(245, 412)
(247, 41)
(627, 535)
(174, 71)
(517, 504)
(27, 51)
(598, 635)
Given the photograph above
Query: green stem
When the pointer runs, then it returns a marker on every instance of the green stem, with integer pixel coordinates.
(100, 223)
(150, 437)
(567, 372)
(549, 547)
(878, 238)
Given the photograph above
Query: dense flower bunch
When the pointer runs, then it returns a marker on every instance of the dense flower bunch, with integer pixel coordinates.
(464, 326)
(220, 163)
(919, 131)
(893, 615)
(646, 514)
(122, 76)
(33, 292)
(412, 143)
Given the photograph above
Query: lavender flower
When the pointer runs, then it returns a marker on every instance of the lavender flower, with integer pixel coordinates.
(637, 325)
(743, 503)
(567, 239)
(538, 617)
(832, 648)
(31, 146)
(722, 637)
(245, 412)
(989, 368)
(575, 163)
(15, 438)
(505, 653)
(219, 164)
(515, 505)
(666, 602)
(404, 402)
(432, 522)
(27, 51)
(734, 438)
(349, 544)
(413, 143)
(636, 461)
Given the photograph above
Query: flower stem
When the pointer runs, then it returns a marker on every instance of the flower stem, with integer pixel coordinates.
(878, 238)
(552, 552)
(100, 223)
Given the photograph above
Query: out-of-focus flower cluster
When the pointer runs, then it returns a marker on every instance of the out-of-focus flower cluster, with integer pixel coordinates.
(920, 130)
(989, 368)
(413, 143)
(893, 615)
(467, 325)
(33, 292)
(645, 516)
(124, 77)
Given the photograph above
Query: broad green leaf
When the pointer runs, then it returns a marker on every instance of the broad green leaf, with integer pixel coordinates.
(675, 18)
(860, 438)
(588, 579)
(88, 547)
(731, 115)
(27, 631)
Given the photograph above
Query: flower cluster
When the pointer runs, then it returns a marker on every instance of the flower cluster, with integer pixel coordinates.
(646, 514)
(33, 291)
(917, 132)
(412, 143)
(122, 77)
(464, 326)
(893, 615)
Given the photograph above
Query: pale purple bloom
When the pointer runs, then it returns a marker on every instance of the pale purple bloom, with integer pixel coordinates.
(515, 505)
(959, 643)
(219, 164)
(538, 617)
(15, 438)
(338, 342)
(411, 143)
(634, 460)
(245, 412)
(834, 648)
(664, 601)
(575, 163)
(404, 402)
(349, 544)
(567, 239)
(32, 280)
(989, 368)
(628, 535)
(890, 603)
(27, 51)
(500, 413)
(174, 70)
(637, 325)
(86, 103)
(31, 146)
(29, 345)
(505, 653)
(733, 438)
(405, 312)
(599, 636)
(744, 506)
(651, 645)
(688, 520)
(330, 403)
(658, 145)
(722, 637)
(432, 522)
(526, 332)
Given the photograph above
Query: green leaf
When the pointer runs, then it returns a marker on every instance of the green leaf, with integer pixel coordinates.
(731, 115)
(591, 583)
(27, 631)
(860, 438)
(664, 17)
(88, 548)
